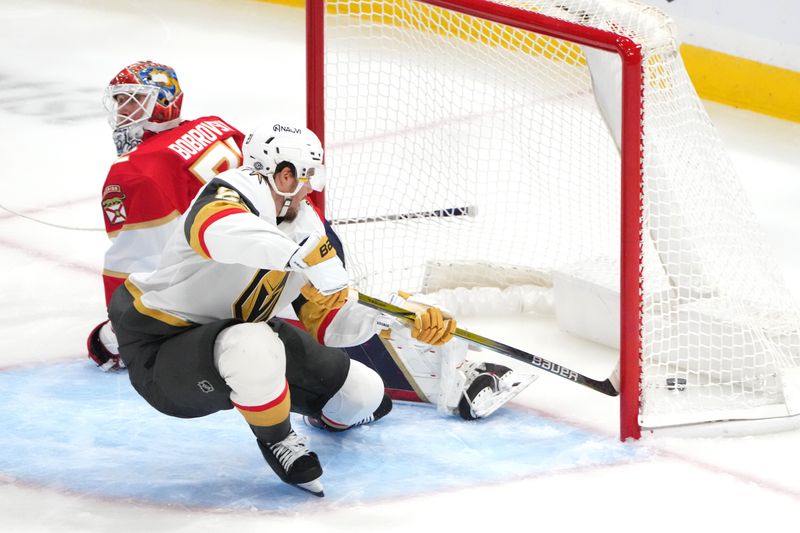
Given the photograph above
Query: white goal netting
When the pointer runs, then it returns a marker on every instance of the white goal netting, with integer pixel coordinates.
(467, 153)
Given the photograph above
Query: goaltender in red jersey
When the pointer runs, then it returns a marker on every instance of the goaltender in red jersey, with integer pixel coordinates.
(162, 163)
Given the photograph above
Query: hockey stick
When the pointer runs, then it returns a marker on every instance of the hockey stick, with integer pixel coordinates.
(605, 387)
(469, 210)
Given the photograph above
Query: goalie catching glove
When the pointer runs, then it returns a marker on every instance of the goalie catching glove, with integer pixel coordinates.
(317, 260)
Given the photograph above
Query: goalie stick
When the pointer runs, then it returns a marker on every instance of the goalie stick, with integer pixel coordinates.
(469, 210)
(606, 387)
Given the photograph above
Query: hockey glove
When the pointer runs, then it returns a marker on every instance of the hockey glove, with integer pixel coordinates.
(317, 259)
(431, 325)
(102, 347)
(327, 302)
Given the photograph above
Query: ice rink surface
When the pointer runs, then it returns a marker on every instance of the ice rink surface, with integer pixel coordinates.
(80, 452)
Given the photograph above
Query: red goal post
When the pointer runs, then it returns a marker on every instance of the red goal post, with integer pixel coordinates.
(702, 321)
(631, 170)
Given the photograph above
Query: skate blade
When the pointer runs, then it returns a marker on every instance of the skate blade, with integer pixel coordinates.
(313, 486)
(502, 397)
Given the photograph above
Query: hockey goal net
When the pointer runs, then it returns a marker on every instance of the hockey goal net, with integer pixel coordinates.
(543, 142)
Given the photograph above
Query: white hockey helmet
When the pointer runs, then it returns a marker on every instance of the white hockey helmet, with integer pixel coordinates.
(270, 145)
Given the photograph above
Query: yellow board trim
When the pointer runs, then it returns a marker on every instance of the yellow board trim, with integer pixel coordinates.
(744, 83)
(433, 19)
(717, 76)
(288, 3)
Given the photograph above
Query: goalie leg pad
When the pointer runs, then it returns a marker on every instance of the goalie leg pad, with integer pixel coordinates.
(453, 384)
(490, 386)
(453, 380)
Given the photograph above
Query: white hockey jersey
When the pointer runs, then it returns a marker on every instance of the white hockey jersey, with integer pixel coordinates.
(228, 259)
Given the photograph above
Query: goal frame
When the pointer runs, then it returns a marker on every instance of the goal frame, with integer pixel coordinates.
(631, 154)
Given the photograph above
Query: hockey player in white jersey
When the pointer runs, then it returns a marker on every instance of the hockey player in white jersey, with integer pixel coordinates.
(196, 333)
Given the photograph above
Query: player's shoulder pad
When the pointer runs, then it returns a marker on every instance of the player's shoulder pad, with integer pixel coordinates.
(122, 159)
(217, 199)
(128, 177)
(129, 166)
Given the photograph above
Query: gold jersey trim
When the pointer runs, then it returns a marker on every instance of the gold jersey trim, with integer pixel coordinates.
(157, 314)
(144, 225)
(115, 274)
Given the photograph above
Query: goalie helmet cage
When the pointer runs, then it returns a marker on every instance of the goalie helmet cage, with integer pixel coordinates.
(513, 108)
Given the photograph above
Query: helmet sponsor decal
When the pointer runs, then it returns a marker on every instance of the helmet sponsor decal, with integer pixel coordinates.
(285, 129)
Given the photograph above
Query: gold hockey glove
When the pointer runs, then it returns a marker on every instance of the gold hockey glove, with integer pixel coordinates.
(327, 302)
(431, 327)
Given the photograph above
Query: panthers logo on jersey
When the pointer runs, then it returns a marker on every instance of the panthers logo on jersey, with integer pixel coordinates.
(113, 205)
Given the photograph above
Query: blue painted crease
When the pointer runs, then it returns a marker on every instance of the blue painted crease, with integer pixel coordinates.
(68, 426)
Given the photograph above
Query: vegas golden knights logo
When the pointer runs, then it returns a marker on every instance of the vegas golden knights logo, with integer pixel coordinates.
(257, 301)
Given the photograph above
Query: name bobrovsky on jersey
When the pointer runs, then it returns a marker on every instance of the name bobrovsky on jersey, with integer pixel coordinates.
(197, 138)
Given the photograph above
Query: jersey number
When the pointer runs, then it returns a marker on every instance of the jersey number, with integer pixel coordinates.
(220, 156)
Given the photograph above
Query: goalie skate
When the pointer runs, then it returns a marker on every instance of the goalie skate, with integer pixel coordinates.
(294, 463)
(489, 386)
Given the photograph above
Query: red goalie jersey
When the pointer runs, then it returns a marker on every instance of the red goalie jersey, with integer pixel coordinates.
(148, 188)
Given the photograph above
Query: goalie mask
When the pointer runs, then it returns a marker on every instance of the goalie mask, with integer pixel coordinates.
(142, 96)
(270, 146)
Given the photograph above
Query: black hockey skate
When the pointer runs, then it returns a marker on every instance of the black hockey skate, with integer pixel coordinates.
(491, 386)
(383, 409)
(294, 463)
